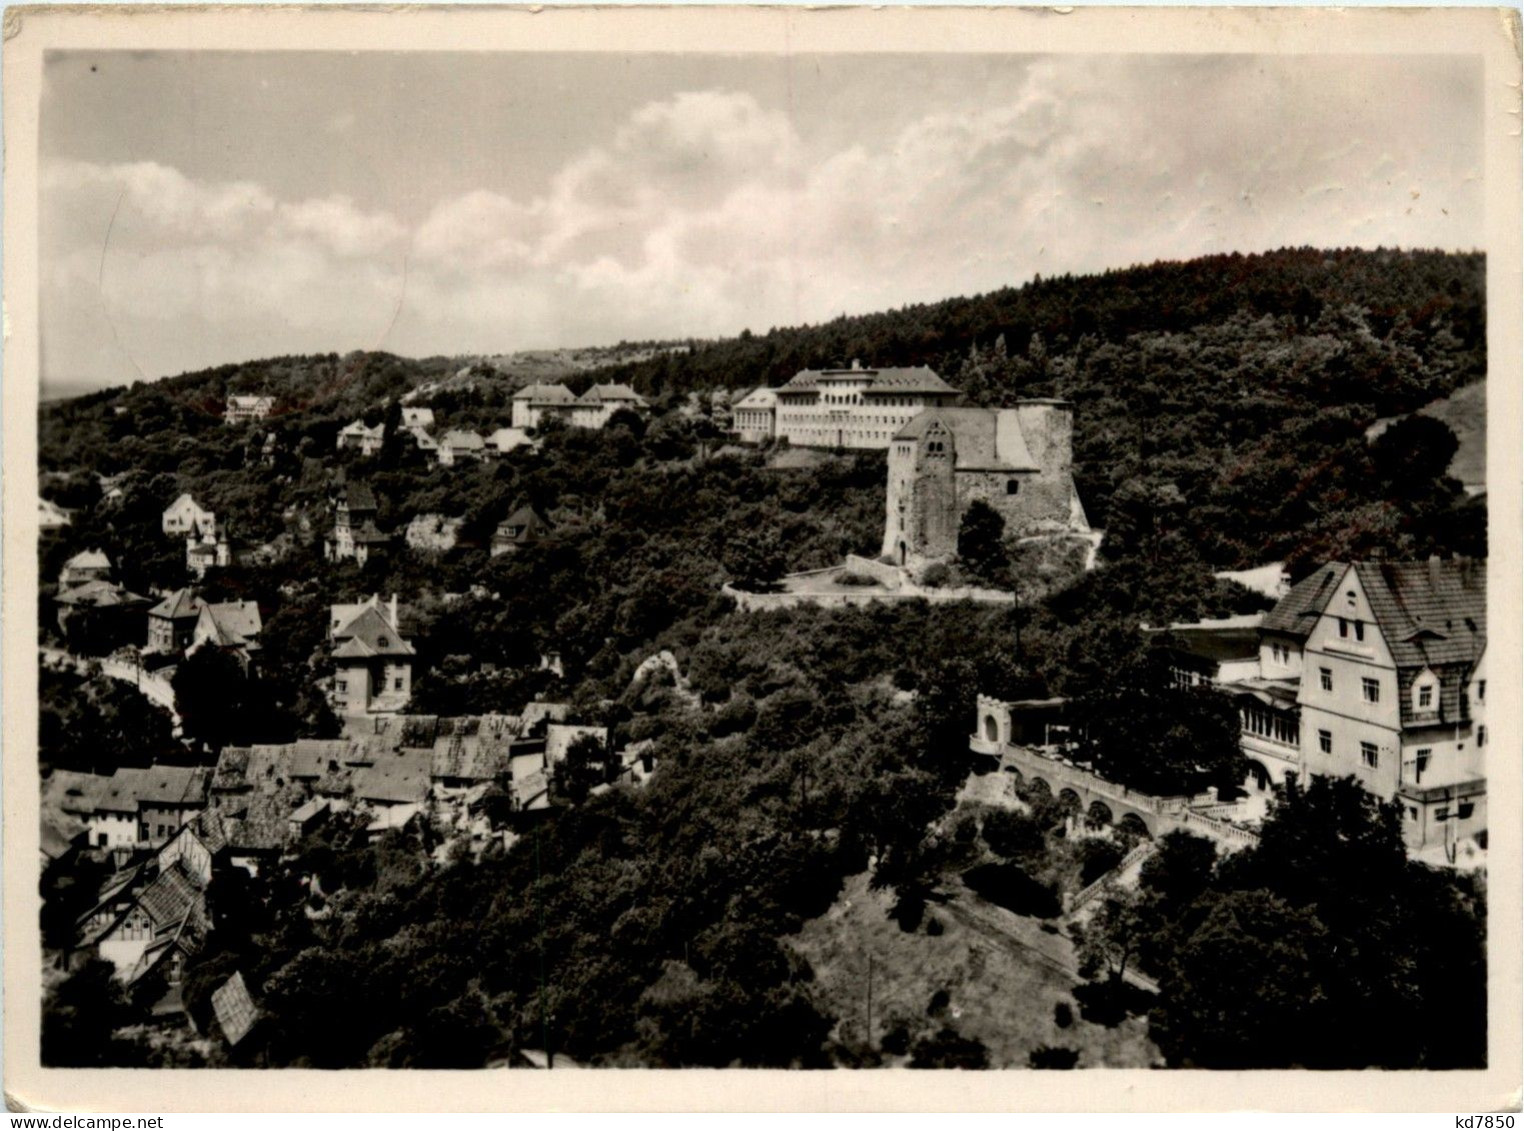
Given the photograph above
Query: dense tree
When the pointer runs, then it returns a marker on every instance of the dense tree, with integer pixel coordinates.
(980, 546)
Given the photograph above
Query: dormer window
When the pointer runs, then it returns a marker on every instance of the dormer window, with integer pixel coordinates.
(1426, 697)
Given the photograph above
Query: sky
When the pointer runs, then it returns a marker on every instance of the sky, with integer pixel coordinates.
(202, 207)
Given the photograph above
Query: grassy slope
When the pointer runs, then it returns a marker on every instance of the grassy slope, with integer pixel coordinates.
(1465, 412)
(1000, 992)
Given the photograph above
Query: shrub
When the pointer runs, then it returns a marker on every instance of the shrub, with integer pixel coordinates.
(1097, 857)
(1013, 835)
(852, 578)
(896, 1042)
(936, 575)
(1011, 888)
(1048, 1056)
(949, 1049)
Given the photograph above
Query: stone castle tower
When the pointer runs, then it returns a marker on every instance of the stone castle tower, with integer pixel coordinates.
(1018, 460)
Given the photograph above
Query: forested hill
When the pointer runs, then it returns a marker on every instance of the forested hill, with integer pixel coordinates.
(1224, 400)
(1409, 294)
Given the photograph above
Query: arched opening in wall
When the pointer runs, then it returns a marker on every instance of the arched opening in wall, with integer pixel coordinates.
(1132, 823)
(1012, 486)
(1099, 815)
(991, 729)
(1040, 787)
(1069, 800)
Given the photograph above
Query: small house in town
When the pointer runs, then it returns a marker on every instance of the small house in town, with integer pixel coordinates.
(522, 528)
(241, 409)
(87, 565)
(505, 440)
(417, 417)
(460, 444)
(358, 436)
(186, 516)
(373, 663)
(172, 622)
(232, 626)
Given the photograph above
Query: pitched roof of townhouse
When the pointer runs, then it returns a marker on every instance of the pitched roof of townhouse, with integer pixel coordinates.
(1297, 612)
(545, 394)
(1430, 613)
(310, 757)
(398, 778)
(975, 434)
(170, 897)
(424, 441)
(368, 635)
(233, 624)
(69, 791)
(179, 605)
(508, 436)
(98, 595)
(185, 497)
(360, 428)
(914, 379)
(235, 1009)
(119, 794)
(248, 400)
(462, 438)
(173, 785)
(50, 514)
(600, 394)
(89, 559)
(475, 757)
(57, 832)
(421, 417)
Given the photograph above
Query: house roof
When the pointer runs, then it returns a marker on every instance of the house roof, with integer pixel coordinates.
(231, 624)
(173, 785)
(369, 533)
(310, 757)
(57, 832)
(525, 521)
(88, 559)
(170, 897)
(234, 1008)
(424, 440)
(1297, 612)
(69, 791)
(417, 416)
(1430, 613)
(462, 438)
(975, 434)
(98, 595)
(761, 397)
(368, 635)
(545, 394)
(119, 794)
(604, 394)
(360, 428)
(398, 778)
(916, 379)
(310, 809)
(182, 604)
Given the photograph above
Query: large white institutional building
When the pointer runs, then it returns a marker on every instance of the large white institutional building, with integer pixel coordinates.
(843, 408)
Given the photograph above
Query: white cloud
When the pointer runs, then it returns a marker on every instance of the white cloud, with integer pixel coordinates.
(706, 211)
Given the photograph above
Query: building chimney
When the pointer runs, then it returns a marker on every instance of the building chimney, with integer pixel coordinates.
(395, 625)
(856, 364)
(1435, 570)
